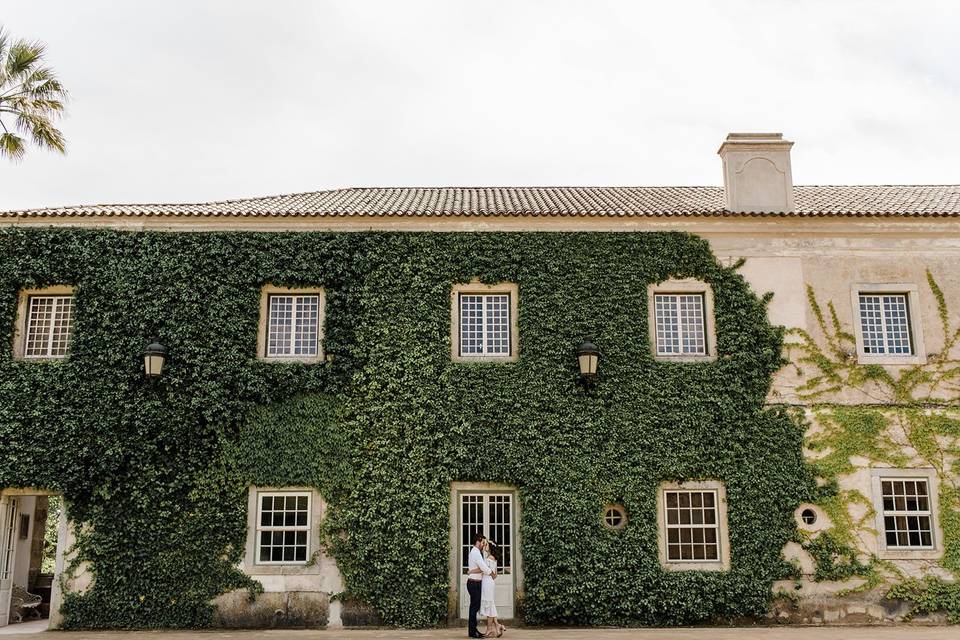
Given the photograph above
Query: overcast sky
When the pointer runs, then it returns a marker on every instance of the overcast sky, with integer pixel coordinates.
(179, 101)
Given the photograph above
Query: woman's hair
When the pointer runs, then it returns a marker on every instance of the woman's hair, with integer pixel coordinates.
(493, 550)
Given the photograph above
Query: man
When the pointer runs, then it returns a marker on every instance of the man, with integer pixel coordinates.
(476, 569)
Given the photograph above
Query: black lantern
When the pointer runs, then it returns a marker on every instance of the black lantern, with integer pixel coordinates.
(588, 356)
(154, 358)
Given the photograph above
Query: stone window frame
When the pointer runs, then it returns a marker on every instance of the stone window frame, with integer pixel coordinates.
(20, 326)
(723, 534)
(933, 487)
(479, 288)
(683, 286)
(607, 508)
(262, 330)
(912, 292)
(312, 564)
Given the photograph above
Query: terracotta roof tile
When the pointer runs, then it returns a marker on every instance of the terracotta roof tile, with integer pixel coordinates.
(911, 201)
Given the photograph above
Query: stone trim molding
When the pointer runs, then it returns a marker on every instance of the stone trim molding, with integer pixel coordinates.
(723, 537)
(265, 293)
(912, 292)
(20, 328)
(686, 285)
(475, 286)
(933, 486)
(314, 564)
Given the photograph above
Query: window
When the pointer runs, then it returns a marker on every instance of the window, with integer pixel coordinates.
(291, 324)
(294, 326)
(887, 324)
(614, 516)
(904, 501)
(484, 322)
(680, 324)
(44, 326)
(907, 516)
(283, 528)
(693, 528)
(680, 315)
(691, 525)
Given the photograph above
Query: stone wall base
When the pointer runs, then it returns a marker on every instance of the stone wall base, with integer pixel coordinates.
(292, 609)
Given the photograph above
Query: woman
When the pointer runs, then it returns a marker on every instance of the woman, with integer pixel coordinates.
(488, 605)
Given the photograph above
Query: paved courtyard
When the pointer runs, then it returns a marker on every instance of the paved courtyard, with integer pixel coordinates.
(697, 633)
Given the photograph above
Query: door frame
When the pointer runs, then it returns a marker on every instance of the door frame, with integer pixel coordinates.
(63, 534)
(456, 490)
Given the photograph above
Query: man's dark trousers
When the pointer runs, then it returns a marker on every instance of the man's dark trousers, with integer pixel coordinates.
(473, 588)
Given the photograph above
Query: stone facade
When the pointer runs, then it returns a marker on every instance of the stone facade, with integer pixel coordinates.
(833, 257)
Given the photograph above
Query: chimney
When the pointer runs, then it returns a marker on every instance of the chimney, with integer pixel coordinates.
(756, 172)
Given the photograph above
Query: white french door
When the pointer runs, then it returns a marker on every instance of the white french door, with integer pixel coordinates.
(492, 515)
(8, 554)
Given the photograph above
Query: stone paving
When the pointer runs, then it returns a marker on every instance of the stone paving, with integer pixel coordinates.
(902, 632)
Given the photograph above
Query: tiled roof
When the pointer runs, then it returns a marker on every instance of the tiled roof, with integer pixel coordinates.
(926, 201)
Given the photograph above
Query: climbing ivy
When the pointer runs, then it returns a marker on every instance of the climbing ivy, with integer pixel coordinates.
(155, 475)
(908, 417)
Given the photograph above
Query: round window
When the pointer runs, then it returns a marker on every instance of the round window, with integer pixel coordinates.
(614, 516)
(808, 516)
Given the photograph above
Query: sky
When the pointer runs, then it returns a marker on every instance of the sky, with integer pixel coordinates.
(192, 101)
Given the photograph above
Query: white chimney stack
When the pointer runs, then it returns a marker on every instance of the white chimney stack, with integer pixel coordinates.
(756, 172)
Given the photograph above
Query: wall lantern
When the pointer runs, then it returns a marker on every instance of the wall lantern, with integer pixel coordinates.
(588, 356)
(154, 358)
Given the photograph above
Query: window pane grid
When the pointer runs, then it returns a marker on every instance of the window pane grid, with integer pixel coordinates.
(485, 324)
(692, 526)
(680, 325)
(49, 326)
(885, 324)
(907, 521)
(283, 527)
(293, 326)
(491, 515)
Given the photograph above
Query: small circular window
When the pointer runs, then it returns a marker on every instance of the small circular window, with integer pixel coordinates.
(808, 516)
(614, 516)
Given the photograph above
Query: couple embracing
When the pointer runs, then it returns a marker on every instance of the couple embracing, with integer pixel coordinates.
(481, 572)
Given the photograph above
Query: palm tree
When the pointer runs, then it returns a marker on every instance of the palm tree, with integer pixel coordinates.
(31, 98)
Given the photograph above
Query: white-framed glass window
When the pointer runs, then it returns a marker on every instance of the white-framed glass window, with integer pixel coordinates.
(48, 327)
(485, 324)
(293, 325)
(907, 513)
(283, 527)
(692, 525)
(885, 324)
(680, 324)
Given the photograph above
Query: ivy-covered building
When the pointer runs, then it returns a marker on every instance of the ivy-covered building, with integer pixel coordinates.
(353, 382)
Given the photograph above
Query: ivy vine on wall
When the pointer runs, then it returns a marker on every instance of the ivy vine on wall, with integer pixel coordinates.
(910, 417)
(155, 475)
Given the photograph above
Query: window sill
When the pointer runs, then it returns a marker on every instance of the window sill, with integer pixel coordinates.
(660, 358)
(695, 566)
(292, 359)
(485, 359)
(885, 553)
(863, 358)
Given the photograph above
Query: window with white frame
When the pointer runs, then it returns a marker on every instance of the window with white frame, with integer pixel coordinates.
(680, 324)
(885, 324)
(692, 525)
(293, 326)
(283, 527)
(484, 322)
(907, 513)
(48, 327)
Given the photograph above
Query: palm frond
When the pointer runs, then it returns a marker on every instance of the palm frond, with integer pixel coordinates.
(11, 146)
(21, 57)
(42, 131)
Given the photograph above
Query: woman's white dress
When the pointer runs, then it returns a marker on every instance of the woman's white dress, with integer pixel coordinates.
(488, 605)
